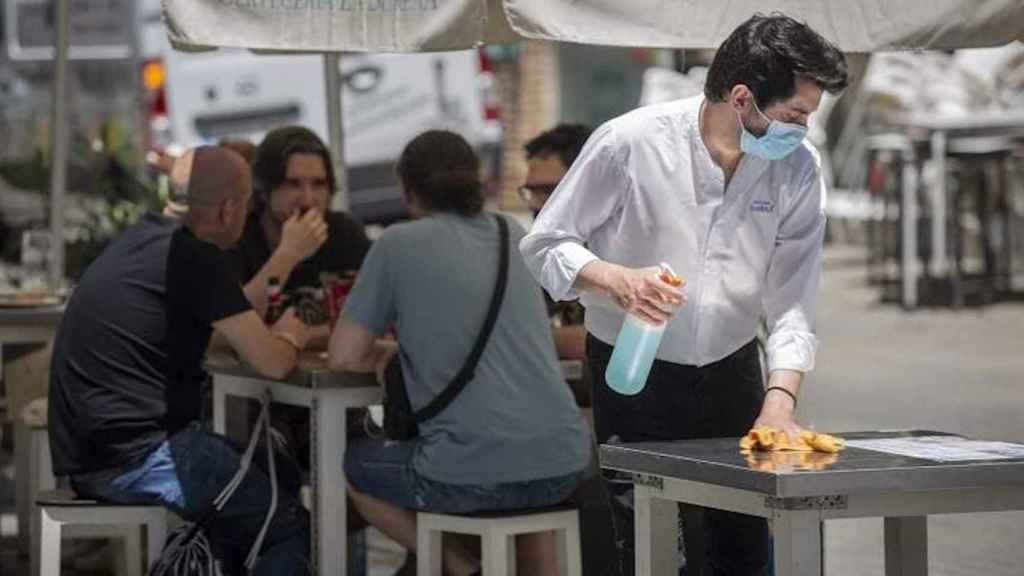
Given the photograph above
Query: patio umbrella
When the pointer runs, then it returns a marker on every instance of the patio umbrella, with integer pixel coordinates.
(428, 25)
(336, 26)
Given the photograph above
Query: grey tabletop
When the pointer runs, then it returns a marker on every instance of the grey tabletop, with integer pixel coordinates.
(795, 474)
(31, 315)
(1009, 122)
(311, 373)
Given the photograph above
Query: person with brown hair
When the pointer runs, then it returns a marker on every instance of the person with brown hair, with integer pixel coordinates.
(291, 234)
(512, 438)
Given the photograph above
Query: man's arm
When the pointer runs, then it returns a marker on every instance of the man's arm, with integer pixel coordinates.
(790, 299)
(301, 237)
(778, 408)
(570, 342)
(273, 352)
(595, 186)
(353, 348)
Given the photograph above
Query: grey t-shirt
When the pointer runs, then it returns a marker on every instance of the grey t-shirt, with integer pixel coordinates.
(516, 420)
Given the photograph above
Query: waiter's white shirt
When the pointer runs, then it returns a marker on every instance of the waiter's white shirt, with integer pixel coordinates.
(645, 190)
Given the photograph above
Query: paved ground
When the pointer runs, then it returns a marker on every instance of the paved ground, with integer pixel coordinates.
(880, 367)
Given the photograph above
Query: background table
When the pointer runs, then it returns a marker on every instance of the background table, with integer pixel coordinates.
(33, 470)
(937, 132)
(856, 483)
(328, 395)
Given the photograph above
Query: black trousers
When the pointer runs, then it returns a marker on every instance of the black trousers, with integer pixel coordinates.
(678, 403)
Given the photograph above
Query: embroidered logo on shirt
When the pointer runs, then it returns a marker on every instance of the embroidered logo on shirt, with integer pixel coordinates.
(763, 206)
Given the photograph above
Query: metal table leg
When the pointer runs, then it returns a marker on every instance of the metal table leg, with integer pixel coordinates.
(938, 198)
(911, 267)
(906, 546)
(657, 527)
(797, 542)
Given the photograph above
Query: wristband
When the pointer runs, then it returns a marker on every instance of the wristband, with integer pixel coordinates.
(783, 390)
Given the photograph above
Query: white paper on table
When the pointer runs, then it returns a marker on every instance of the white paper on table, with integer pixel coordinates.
(942, 448)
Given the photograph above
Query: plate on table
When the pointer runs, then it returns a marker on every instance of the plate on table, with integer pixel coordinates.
(28, 299)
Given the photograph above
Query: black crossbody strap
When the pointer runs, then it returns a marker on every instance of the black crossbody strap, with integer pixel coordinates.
(438, 404)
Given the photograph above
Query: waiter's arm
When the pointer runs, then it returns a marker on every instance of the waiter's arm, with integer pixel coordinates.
(555, 251)
(790, 299)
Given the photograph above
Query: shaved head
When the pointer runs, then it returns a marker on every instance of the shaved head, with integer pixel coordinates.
(209, 175)
(217, 184)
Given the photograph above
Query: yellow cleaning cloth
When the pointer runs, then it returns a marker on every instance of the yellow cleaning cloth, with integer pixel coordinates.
(767, 439)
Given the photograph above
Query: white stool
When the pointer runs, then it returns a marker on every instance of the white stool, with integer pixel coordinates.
(33, 474)
(60, 508)
(497, 533)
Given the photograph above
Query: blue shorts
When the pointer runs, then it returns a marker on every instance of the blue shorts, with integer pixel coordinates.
(384, 469)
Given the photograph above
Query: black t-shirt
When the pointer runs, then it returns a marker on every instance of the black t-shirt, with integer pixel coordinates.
(127, 360)
(344, 250)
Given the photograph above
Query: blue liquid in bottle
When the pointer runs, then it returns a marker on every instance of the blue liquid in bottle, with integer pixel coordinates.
(633, 355)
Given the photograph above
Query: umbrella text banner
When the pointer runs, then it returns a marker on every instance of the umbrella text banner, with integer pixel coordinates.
(335, 25)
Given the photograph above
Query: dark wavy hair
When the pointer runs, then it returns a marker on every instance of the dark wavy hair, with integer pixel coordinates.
(270, 166)
(768, 54)
(441, 169)
(566, 140)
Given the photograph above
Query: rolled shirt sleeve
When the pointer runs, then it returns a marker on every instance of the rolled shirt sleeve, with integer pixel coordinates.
(594, 187)
(791, 287)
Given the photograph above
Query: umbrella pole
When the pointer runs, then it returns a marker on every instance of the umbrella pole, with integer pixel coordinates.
(58, 142)
(336, 136)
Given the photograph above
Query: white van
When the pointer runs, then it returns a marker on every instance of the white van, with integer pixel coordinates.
(387, 99)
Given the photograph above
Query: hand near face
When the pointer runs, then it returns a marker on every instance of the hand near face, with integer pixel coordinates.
(302, 235)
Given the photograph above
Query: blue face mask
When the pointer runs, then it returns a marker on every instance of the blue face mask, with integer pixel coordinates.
(779, 141)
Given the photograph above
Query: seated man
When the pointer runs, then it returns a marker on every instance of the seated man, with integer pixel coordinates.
(548, 157)
(125, 386)
(512, 438)
(290, 235)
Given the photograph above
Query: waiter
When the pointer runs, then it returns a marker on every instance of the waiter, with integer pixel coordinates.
(723, 188)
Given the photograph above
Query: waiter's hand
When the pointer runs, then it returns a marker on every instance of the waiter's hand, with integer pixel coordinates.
(642, 292)
(777, 412)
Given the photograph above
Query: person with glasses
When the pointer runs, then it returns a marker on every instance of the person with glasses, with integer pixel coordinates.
(548, 157)
(724, 188)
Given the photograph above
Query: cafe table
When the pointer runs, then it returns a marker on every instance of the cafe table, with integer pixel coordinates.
(937, 131)
(25, 323)
(901, 476)
(328, 395)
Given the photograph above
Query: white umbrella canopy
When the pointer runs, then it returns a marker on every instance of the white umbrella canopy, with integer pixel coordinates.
(337, 26)
(429, 25)
(853, 25)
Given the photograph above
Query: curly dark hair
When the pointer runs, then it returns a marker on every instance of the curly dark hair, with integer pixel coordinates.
(566, 140)
(270, 166)
(768, 54)
(441, 169)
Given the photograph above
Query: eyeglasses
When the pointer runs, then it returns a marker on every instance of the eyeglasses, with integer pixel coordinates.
(528, 191)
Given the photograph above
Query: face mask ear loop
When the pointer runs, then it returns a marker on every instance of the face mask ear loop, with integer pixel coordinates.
(768, 121)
